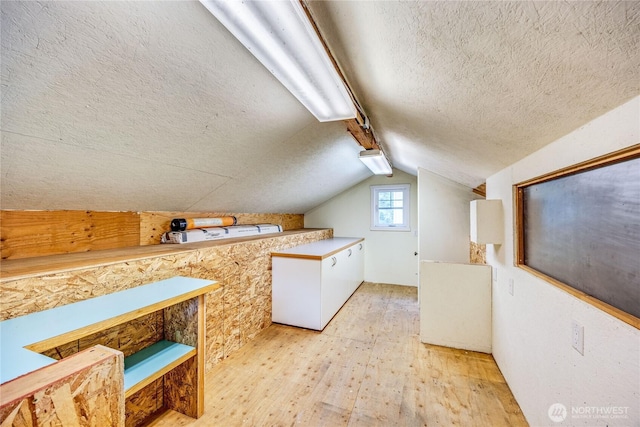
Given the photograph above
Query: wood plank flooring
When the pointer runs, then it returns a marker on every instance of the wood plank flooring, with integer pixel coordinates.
(367, 368)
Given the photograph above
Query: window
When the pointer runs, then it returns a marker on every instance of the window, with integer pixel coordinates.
(390, 207)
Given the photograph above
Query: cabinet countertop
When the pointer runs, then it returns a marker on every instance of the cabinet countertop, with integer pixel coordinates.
(319, 250)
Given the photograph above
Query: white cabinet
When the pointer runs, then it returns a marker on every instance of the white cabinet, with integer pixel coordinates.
(486, 221)
(311, 282)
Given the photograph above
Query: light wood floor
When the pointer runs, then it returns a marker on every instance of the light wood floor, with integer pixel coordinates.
(367, 368)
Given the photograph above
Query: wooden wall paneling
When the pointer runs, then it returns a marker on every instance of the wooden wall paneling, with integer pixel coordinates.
(181, 322)
(129, 337)
(82, 390)
(287, 221)
(30, 294)
(214, 330)
(153, 224)
(64, 350)
(224, 263)
(477, 253)
(184, 385)
(14, 269)
(255, 281)
(27, 234)
(201, 356)
(292, 221)
(181, 387)
(144, 404)
(231, 330)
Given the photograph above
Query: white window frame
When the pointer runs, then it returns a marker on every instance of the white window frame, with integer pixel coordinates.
(406, 207)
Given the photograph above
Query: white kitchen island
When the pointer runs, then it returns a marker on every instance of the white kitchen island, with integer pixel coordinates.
(312, 282)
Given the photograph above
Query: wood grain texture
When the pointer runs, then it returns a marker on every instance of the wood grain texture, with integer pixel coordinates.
(235, 314)
(27, 234)
(367, 368)
(83, 390)
(144, 404)
(166, 368)
(39, 266)
(129, 337)
(153, 224)
(481, 190)
(477, 253)
(364, 137)
(111, 322)
(184, 385)
(181, 322)
(181, 388)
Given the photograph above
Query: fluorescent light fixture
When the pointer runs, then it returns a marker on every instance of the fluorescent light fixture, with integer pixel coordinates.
(376, 161)
(279, 34)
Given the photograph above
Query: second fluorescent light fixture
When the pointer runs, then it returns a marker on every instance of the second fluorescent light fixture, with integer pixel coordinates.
(279, 34)
(376, 161)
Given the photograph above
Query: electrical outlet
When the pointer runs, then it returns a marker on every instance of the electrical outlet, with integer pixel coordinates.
(577, 337)
(511, 287)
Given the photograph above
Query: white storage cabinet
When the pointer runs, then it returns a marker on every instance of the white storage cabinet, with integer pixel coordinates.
(311, 282)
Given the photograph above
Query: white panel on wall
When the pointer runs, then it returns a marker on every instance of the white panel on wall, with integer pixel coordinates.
(486, 221)
(443, 209)
(390, 255)
(455, 305)
(532, 319)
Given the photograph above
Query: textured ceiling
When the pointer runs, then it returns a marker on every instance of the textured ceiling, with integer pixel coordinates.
(155, 106)
(464, 89)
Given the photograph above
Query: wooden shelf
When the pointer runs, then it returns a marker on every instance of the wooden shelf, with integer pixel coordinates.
(149, 364)
(179, 357)
(13, 269)
(24, 337)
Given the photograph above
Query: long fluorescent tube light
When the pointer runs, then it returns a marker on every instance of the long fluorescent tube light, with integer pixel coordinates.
(279, 34)
(376, 161)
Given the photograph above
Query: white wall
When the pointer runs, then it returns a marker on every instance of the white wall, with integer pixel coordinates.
(444, 218)
(389, 256)
(532, 328)
(455, 305)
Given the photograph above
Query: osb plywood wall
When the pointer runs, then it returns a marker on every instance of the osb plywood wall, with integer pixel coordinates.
(142, 405)
(477, 253)
(234, 315)
(153, 224)
(128, 338)
(84, 390)
(25, 234)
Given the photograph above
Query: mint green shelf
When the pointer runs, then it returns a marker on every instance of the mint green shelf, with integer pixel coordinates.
(150, 363)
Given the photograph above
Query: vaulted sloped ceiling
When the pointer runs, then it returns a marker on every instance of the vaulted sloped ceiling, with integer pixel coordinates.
(155, 106)
(465, 88)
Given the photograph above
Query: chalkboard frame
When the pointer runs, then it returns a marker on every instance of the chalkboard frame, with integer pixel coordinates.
(626, 154)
